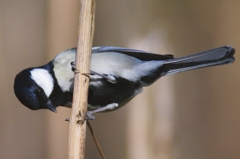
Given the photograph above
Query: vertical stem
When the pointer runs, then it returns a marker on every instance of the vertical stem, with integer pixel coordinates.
(77, 129)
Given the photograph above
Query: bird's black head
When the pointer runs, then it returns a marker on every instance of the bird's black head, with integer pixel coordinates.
(33, 88)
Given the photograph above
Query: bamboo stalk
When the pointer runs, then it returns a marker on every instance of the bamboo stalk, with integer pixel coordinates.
(77, 128)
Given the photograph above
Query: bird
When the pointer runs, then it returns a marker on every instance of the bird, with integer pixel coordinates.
(116, 75)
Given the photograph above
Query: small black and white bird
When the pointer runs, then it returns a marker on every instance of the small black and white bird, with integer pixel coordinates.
(117, 75)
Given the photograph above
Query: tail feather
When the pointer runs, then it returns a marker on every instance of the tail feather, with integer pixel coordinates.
(219, 56)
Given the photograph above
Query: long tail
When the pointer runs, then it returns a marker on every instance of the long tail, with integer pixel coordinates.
(219, 56)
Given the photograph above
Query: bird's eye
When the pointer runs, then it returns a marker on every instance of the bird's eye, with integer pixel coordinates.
(40, 91)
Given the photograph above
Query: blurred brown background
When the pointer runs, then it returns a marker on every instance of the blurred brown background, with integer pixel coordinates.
(191, 115)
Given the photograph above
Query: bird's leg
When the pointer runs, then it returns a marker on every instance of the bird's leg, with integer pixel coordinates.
(89, 115)
(110, 78)
(111, 106)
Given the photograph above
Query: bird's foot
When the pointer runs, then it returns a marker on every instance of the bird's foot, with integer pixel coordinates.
(111, 106)
(110, 78)
(90, 116)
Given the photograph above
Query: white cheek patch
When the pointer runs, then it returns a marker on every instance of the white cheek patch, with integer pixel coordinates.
(43, 78)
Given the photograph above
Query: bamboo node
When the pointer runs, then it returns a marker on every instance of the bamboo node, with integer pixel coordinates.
(80, 118)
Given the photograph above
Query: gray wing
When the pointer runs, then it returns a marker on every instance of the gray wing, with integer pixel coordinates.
(139, 54)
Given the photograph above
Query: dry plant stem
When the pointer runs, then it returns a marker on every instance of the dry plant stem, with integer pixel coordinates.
(77, 128)
(96, 141)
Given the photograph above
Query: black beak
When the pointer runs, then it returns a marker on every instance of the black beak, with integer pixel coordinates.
(51, 107)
